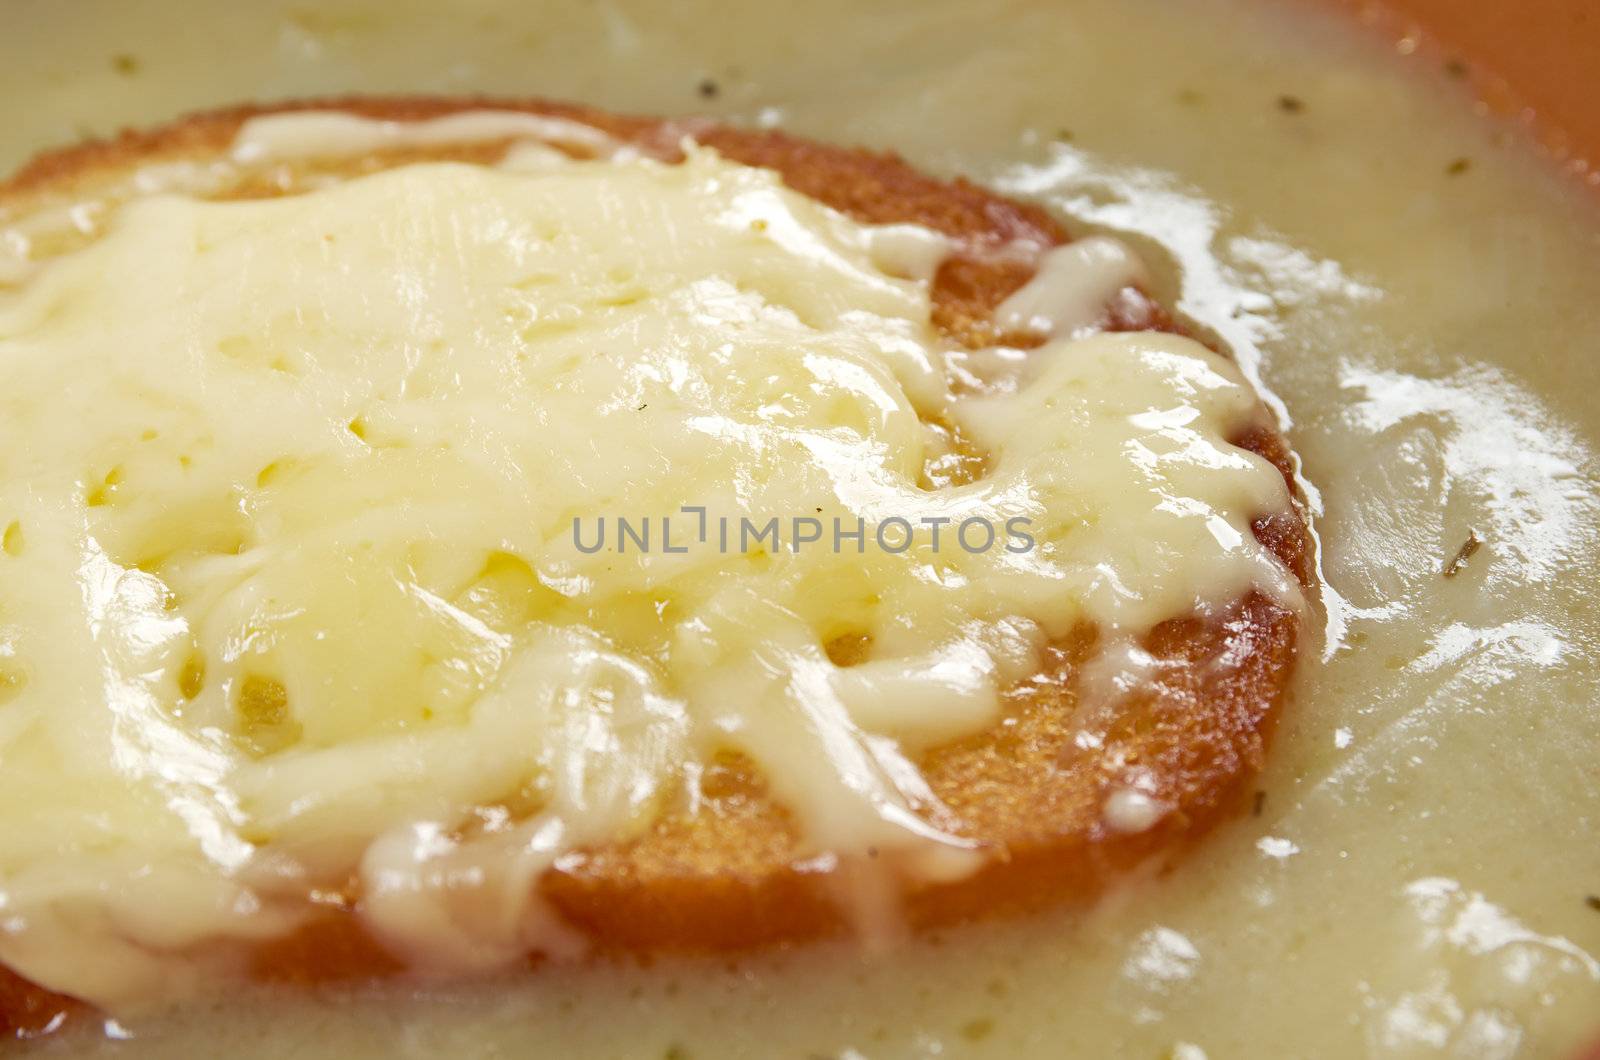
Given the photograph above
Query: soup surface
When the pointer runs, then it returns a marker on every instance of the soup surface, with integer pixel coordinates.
(1417, 291)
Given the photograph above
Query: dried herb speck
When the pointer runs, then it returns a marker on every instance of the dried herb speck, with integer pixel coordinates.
(1455, 68)
(709, 89)
(1259, 805)
(1458, 167)
(1291, 104)
(124, 64)
(1592, 901)
(1464, 553)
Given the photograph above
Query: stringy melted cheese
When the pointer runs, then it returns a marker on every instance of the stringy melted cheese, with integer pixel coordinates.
(289, 587)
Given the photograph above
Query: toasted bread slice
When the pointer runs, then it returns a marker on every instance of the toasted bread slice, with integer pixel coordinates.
(730, 874)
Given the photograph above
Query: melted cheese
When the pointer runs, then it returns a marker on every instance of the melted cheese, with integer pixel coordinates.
(1071, 287)
(290, 137)
(297, 588)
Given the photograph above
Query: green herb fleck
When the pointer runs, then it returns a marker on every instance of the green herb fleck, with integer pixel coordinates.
(977, 1030)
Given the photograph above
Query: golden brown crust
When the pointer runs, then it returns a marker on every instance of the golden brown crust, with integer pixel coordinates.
(731, 875)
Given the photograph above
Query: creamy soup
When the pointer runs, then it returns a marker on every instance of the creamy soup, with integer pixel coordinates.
(1419, 297)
